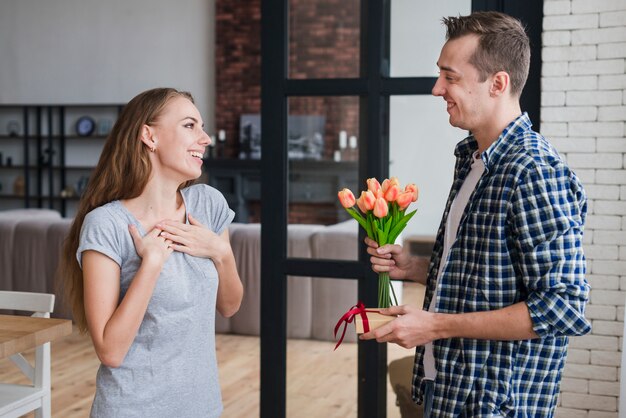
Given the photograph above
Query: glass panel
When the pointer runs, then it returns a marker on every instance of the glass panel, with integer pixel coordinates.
(322, 382)
(421, 150)
(324, 38)
(417, 35)
(323, 158)
(400, 363)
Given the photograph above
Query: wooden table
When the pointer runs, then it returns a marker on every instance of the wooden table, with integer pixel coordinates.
(20, 333)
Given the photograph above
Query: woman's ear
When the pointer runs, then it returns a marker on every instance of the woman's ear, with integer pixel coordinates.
(148, 137)
(499, 84)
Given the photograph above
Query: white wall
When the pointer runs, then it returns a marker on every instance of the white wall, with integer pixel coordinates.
(421, 139)
(583, 113)
(90, 51)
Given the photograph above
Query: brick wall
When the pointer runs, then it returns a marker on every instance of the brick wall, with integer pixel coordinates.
(237, 66)
(583, 113)
(323, 43)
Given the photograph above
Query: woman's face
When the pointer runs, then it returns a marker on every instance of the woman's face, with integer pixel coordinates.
(180, 141)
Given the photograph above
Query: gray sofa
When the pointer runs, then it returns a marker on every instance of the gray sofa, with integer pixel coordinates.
(32, 240)
(313, 304)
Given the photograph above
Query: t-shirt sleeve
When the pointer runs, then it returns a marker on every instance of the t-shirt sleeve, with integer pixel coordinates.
(221, 215)
(98, 233)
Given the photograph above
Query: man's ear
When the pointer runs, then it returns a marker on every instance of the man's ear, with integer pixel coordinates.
(147, 137)
(500, 83)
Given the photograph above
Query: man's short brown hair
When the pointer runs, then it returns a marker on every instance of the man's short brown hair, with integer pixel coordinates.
(503, 45)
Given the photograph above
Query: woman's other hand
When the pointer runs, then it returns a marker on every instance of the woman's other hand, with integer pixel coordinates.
(152, 246)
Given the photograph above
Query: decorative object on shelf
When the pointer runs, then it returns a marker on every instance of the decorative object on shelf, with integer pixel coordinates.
(69, 191)
(250, 137)
(1, 160)
(9, 161)
(81, 185)
(343, 139)
(46, 157)
(220, 146)
(85, 126)
(343, 143)
(350, 153)
(13, 128)
(104, 126)
(211, 153)
(305, 136)
(19, 186)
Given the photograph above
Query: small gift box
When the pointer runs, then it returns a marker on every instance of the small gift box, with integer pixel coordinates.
(370, 320)
(365, 320)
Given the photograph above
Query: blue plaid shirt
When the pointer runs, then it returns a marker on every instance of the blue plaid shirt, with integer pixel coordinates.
(519, 239)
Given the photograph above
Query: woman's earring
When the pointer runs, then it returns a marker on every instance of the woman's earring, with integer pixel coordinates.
(152, 148)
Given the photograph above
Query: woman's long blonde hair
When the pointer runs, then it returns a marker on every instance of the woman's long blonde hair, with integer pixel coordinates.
(122, 172)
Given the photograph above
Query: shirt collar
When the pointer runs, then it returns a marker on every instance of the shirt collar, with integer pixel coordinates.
(500, 146)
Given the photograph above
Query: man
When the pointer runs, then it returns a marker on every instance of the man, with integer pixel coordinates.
(506, 285)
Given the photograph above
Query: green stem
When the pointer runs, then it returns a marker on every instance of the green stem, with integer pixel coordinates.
(393, 293)
(384, 301)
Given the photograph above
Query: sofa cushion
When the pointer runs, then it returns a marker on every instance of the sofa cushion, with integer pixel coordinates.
(9, 220)
(246, 244)
(333, 297)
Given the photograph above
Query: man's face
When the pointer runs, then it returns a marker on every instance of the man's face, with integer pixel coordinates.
(467, 98)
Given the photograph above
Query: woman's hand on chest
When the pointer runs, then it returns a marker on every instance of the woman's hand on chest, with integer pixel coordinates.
(195, 239)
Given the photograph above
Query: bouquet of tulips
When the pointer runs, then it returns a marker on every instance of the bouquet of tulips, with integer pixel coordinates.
(382, 213)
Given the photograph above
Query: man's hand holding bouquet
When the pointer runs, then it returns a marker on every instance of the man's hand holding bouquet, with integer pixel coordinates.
(382, 212)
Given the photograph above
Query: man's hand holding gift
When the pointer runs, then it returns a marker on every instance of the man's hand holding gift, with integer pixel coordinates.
(412, 327)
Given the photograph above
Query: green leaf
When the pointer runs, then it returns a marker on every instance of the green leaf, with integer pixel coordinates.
(388, 225)
(400, 226)
(382, 237)
(356, 215)
(368, 228)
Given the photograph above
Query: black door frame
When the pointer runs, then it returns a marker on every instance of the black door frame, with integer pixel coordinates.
(373, 87)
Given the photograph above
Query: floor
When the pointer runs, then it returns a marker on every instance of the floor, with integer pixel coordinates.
(321, 382)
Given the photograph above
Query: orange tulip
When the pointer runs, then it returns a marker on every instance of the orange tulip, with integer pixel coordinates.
(366, 201)
(404, 199)
(392, 193)
(381, 208)
(387, 183)
(413, 189)
(373, 186)
(346, 198)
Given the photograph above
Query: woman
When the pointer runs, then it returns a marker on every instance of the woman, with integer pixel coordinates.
(143, 261)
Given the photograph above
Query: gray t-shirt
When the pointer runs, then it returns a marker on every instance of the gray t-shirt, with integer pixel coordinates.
(170, 369)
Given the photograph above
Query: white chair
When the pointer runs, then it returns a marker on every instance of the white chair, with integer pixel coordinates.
(17, 400)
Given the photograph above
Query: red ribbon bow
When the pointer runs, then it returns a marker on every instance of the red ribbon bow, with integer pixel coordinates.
(348, 317)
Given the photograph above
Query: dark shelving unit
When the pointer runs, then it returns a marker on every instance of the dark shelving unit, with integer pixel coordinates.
(38, 138)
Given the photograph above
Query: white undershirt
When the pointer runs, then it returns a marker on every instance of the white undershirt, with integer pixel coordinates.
(452, 226)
